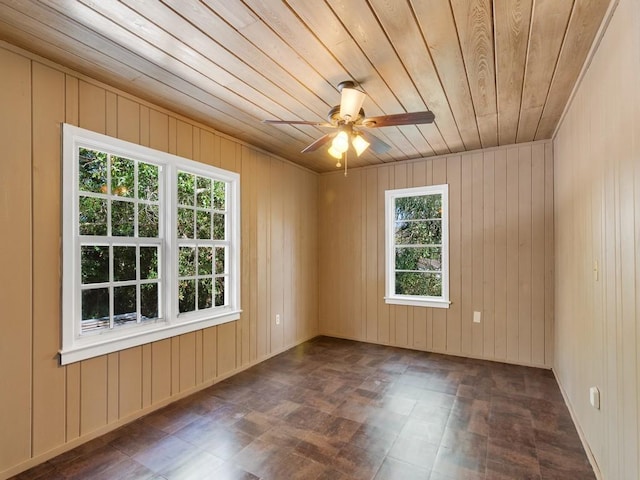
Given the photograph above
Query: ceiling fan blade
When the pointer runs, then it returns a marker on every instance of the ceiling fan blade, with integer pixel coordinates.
(318, 143)
(411, 118)
(377, 145)
(297, 122)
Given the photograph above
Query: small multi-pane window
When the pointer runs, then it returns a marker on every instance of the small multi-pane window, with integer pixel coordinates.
(118, 227)
(150, 246)
(417, 246)
(202, 243)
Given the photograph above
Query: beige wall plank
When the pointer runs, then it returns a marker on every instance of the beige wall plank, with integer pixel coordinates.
(175, 365)
(161, 370)
(92, 107)
(198, 360)
(290, 228)
(524, 255)
(72, 401)
(48, 98)
(399, 313)
(488, 257)
(429, 313)
(454, 313)
(184, 139)
(130, 381)
(16, 259)
(538, 323)
(71, 100)
(145, 125)
(128, 120)
(187, 362)
(111, 114)
(549, 256)
(466, 254)
(158, 131)
(500, 239)
(263, 276)
(209, 353)
(147, 368)
(512, 255)
(226, 361)
(93, 394)
(113, 387)
(477, 253)
(440, 340)
(383, 308)
(276, 255)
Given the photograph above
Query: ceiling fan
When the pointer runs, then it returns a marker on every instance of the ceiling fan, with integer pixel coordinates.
(351, 124)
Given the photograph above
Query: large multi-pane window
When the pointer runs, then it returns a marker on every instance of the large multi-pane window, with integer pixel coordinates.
(150, 245)
(417, 261)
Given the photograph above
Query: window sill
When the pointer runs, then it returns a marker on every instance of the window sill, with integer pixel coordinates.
(418, 302)
(116, 341)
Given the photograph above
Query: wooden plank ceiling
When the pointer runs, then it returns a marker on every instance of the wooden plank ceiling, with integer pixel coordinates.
(494, 72)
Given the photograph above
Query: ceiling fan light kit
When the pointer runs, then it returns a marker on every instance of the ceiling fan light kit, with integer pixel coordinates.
(348, 117)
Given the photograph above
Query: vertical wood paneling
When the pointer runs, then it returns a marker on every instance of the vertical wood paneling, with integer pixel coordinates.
(524, 255)
(537, 254)
(466, 254)
(500, 238)
(440, 338)
(477, 251)
(48, 379)
(16, 259)
(113, 386)
(399, 312)
(276, 255)
(209, 353)
(45, 405)
(187, 371)
(94, 373)
(226, 348)
(93, 394)
(491, 217)
(454, 313)
(512, 224)
(371, 228)
(72, 372)
(130, 381)
(597, 229)
(489, 260)
(383, 308)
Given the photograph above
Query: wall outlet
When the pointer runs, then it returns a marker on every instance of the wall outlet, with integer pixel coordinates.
(277, 319)
(476, 317)
(594, 397)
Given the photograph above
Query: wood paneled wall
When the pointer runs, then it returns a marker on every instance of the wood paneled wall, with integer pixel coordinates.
(501, 256)
(45, 408)
(597, 221)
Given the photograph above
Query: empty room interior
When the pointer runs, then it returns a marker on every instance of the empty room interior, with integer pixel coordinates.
(339, 239)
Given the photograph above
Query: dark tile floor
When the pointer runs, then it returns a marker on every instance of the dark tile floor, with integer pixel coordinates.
(335, 409)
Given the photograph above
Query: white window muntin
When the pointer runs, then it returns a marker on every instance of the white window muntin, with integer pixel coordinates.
(76, 346)
(391, 297)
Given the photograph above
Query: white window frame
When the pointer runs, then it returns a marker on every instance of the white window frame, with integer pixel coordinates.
(390, 246)
(77, 347)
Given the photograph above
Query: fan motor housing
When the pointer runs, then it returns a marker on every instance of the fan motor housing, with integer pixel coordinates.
(335, 119)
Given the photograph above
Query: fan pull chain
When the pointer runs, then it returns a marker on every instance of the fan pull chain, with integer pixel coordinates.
(345, 163)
